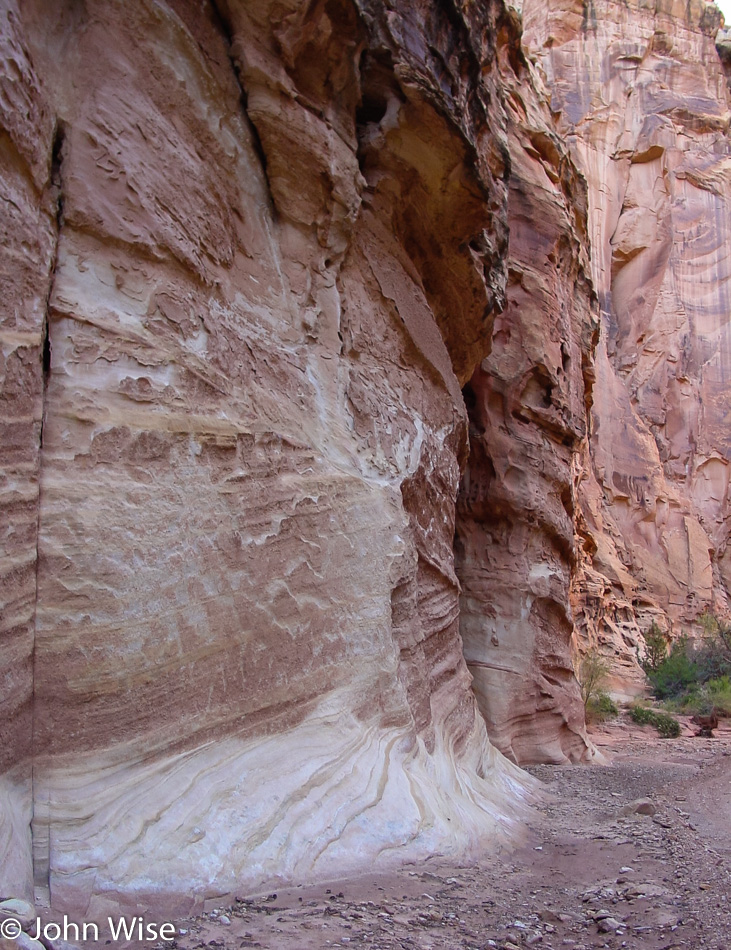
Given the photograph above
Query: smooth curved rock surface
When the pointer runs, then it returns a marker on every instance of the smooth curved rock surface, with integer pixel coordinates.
(254, 254)
(267, 241)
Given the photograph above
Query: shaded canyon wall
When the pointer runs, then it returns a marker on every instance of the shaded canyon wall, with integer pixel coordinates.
(528, 403)
(253, 251)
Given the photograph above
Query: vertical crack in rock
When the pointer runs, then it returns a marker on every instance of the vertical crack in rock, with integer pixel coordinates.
(28, 248)
(40, 826)
(226, 30)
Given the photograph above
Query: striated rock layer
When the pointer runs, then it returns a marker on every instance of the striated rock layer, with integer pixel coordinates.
(260, 309)
(528, 405)
(640, 97)
(253, 251)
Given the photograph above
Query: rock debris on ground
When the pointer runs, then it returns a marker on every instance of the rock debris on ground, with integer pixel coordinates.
(633, 854)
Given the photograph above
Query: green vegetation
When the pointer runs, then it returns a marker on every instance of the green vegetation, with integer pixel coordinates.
(656, 649)
(592, 675)
(664, 723)
(675, 673)
(692, 678)
(703, 700)
(601, 707)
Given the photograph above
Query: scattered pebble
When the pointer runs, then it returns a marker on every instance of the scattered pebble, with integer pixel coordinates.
(669, 891)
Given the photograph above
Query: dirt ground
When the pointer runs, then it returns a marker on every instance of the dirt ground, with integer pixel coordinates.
(594, 872)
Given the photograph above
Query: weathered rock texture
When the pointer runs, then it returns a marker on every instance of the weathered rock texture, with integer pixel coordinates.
(528, 407)
(28, 231)
(253, 252)
(639, 96)
(264, 244)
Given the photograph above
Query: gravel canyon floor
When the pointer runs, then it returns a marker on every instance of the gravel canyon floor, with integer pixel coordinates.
(593, 873)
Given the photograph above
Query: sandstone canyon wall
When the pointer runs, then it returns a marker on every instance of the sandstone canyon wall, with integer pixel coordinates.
(528, 403)
(280, 278)
(639, 96)
(253, 251)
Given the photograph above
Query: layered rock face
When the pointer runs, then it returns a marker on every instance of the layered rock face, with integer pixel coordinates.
(640, 97)
(260, 310)
(253, 251)
(528, 405)
(28, 213)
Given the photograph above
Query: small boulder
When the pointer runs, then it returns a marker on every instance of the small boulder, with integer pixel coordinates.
(707, 725)
(609, 925)
(642, 806)
(21, 910)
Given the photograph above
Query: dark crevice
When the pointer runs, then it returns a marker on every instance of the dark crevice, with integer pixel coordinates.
(226, 29)
(470, 398)
(40, 842)
(378, 86)
(46, 358)
(59, 139)
(371, 110)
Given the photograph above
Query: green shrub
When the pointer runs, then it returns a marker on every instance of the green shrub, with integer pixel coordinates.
(683, 677)
(719, 692)
(695, 701)
(656, 649)
(593, 672)
(710, 623)
(676, 673)
(713, 656)
(601, 707)
(703, 700)
(668, 727)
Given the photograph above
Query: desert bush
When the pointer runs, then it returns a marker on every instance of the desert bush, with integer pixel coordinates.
(601, 707)
(713, 655)
(592, 675)
(720, 693)
(683, 676)
(676, 673)
(695, 701)
(666, 725)
(703, 700)
(656, 649)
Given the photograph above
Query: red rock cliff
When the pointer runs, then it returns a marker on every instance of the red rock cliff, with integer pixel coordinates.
(528, 403)
(261, 307)
(252, 253)
(639, 96)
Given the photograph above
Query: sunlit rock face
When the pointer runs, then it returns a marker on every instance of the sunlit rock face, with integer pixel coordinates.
(527, 404)
(640, 97)
(264, 245)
